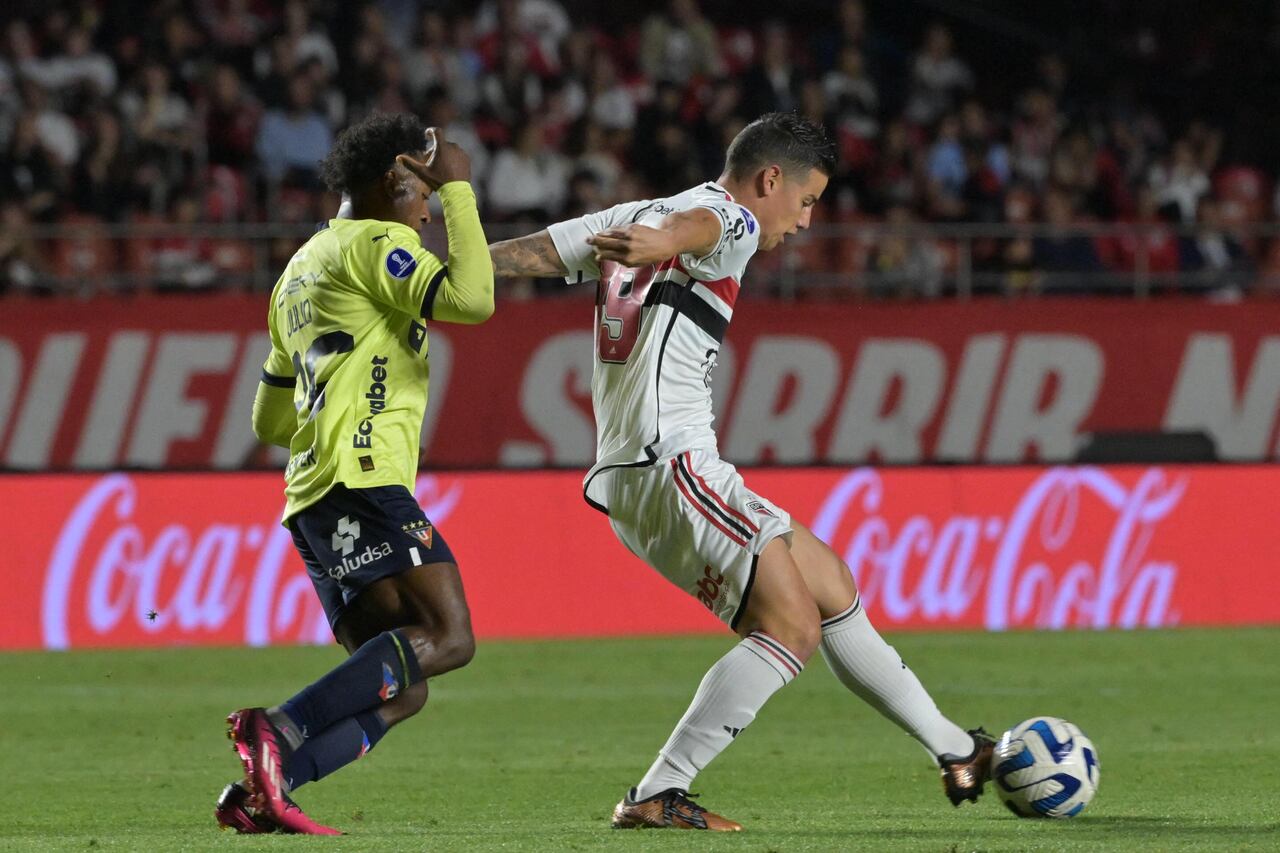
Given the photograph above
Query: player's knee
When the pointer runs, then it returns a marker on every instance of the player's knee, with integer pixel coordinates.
(808, 633)
(456, 648)
(799, 632)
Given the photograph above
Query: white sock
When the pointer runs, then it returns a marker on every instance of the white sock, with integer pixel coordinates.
(727, 700)
(869, 666)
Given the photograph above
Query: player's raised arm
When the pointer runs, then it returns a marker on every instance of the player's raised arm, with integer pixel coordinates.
(464, 294)
(695, 231)
(534, 255)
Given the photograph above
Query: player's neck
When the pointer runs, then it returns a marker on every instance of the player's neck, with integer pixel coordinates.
(741, 191)
(371, 207)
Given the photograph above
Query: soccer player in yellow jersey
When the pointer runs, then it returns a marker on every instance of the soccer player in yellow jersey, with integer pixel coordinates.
(345, 388)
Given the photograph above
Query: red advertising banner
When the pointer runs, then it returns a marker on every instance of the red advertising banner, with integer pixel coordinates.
(167, 382)
(153, 559)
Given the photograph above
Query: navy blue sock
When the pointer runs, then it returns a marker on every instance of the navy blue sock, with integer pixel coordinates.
(382, 668)
(335, 747)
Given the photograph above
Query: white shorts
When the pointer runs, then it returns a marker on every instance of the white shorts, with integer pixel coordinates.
(695, 521)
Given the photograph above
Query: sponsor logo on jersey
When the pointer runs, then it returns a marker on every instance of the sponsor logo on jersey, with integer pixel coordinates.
(400, 263)
(749, 219)
(709, 587)
(421, 530)
(377, 397)
(366, 463)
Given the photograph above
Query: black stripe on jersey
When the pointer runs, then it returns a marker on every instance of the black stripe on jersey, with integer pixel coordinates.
(686, 302)
(278, 381)
(709, 503)
(429, 300)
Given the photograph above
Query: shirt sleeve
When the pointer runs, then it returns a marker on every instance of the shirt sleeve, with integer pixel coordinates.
(570, 238)
(394, 269)
(277, 370)
(739, 238)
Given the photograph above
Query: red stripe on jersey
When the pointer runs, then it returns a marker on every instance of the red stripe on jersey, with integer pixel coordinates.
(672, 263)
(684, 490)
(725, 288)
(688, 461)
(786, 663)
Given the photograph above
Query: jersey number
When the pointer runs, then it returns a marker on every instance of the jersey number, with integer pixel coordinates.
(622, 294)
(330, 343)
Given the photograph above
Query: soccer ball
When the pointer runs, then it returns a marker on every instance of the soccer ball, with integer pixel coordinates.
(1045, 767)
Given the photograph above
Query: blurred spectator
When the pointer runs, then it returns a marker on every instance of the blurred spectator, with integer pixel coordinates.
(55, 129)
(442, 111)
(1179, 181)
(543, 21)
(852, 94)
(1212, 254)
(1153, 248)
(234, 25)
(159, 118)
(19, 261)
(78, 66)
(774, 82)
(514, 90)
(292, 142)
(309, 41)
(938, 77)
(101, 182)
(668, 163)
(1034, 133)
(903, 262)
(679, 44)
(30, 176)
(1067, 258)
(612, 104)
(435, 62)
(231, 117)
(528, 179)
(184, 262)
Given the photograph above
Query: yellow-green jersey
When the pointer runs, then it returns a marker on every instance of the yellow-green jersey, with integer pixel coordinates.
(348, 321)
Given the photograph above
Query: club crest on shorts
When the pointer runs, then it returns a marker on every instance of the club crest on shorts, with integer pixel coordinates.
(420, 530)
(756, 506)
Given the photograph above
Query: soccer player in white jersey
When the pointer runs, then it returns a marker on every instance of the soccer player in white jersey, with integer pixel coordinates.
(668, 273)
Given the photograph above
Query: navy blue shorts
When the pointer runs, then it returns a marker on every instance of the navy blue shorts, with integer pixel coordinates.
(353, 537)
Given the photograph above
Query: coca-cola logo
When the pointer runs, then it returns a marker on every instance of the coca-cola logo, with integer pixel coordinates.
(112, 575)
(1076, 550)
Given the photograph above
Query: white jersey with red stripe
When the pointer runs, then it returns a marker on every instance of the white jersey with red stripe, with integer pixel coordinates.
(658, 330)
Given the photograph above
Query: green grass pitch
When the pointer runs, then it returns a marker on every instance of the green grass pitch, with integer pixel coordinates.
(529, 748)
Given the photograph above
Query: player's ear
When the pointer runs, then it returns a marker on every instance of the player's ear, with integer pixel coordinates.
(395, 182)
(769, 179)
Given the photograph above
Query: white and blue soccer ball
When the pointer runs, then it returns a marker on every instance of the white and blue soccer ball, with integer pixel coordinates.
(1045, 767)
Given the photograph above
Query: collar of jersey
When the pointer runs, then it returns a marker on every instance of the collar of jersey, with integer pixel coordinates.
(723, 190)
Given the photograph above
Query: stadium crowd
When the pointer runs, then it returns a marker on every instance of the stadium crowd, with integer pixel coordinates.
(219, 111)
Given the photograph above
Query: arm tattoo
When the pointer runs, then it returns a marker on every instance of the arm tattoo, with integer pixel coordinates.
(525, 256)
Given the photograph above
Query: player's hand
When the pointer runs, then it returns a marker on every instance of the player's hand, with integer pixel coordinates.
(447, 162)
(632, 245)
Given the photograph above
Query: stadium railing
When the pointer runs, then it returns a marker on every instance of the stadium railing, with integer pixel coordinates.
(851, 260)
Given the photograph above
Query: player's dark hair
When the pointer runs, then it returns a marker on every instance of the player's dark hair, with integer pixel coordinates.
(788, 139)
(367, 149)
